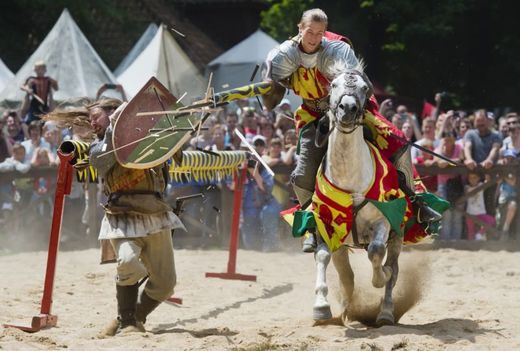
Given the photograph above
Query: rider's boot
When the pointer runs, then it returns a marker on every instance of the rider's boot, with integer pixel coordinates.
(403, 164)
(322, 131)
(304, 198)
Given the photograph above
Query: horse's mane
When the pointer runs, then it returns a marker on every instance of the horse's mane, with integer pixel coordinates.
(340, 66)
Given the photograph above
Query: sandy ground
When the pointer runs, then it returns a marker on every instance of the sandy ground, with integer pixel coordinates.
(465, 300)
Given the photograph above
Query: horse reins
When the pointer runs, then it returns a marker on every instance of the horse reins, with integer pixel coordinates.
(355, 237)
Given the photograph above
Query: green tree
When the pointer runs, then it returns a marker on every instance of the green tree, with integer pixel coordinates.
(468, 48)
(281, 18)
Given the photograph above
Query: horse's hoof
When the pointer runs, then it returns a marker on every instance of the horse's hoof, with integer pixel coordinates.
(321, 313)
(385, 318)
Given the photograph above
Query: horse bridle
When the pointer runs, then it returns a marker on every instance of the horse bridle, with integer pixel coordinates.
(350, 82)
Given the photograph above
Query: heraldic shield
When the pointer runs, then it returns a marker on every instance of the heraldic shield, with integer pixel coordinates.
(144, 139)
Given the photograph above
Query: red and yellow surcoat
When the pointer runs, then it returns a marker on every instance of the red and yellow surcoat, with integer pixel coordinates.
(333, 207)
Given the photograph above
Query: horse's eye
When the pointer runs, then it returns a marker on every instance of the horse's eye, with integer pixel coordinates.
(365, 88)
(334, 85)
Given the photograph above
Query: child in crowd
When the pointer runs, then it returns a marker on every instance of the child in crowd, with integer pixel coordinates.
(507, 197)
(290, 147)
(475, 206)
(9, 194)
(450, 187)
(257, 194)
(41, 199)
(274, 158)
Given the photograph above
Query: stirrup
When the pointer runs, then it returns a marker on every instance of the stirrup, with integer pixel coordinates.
(426, 214)
(309, 244)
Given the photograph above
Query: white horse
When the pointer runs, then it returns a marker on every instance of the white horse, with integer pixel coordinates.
(348, 166)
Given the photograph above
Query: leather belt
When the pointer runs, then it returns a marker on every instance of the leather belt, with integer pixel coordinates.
(318, 105)
(117, 194)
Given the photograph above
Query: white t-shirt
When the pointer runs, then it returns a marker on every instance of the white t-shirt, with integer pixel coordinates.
(416, 152)
(29, 148)
(507, 144)
(475, 204)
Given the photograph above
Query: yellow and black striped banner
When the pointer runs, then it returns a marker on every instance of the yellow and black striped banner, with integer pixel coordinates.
(247, 91)
(205, 167)
(196, 165)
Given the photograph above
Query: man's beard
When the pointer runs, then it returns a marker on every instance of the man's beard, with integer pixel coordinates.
(100, 135)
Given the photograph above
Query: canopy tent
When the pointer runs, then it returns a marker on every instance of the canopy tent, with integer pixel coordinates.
(70, 59)
(234, 67)
(138, 47)
(164, 59)
(5, 75)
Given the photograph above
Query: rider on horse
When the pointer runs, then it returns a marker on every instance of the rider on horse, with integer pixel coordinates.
(306, 64)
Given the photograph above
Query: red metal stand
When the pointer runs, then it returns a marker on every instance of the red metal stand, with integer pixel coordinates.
(45, 319)
(175, 300)
(233, 241)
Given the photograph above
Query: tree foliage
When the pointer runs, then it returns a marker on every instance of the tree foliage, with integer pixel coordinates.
(468, 48)
(281, 18)
(29, 21)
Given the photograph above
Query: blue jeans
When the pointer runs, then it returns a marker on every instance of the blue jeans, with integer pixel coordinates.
(251, 232)
(270, 217)
(452, 224)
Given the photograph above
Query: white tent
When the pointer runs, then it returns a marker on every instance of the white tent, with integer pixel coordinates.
(138, 47)
(5, 75)
(164, 59)
(70, 59)
(235, 67)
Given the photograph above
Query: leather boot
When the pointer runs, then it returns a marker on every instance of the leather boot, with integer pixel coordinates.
(424, 213)
(126, 305)
(322, 131)
(145, 306)
(403, 164)
(304, 198)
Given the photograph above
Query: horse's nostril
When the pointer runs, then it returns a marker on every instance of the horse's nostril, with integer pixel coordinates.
(341, 106)
(353, 108)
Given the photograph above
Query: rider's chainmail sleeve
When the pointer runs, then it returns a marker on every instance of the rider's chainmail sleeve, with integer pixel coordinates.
(98, 157)
(334, 52)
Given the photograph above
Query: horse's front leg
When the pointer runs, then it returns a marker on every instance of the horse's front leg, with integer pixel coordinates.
(376, 253)
(341, 261)
(386, 315)
(321, 310)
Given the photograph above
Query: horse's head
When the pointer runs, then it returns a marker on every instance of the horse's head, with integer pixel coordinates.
(349, 93)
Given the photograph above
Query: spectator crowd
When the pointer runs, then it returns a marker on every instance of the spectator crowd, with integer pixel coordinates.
(483, 207)
(477, 140)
